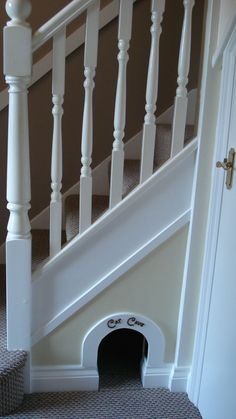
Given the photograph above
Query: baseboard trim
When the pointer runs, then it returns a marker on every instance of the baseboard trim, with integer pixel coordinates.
(155, 377)
(179, 379)
(58, 378)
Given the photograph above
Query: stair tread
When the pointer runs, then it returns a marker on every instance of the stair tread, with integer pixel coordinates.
(163, 142)
(100, 204)
(131, 175)
(40, 246)
(11, 360)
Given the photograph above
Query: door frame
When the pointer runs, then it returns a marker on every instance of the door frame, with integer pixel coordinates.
(214, 215)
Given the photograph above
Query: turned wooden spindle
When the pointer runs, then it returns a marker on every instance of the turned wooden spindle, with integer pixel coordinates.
(117, 165)
(149, 127)
(181, 98)
(90, 63)
(58, 87)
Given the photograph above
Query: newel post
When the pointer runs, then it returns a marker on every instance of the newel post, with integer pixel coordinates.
(17, 70)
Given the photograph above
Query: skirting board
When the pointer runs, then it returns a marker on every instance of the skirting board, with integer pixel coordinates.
(63, 378)
(179, 379)
(155, 377)
(76, 378)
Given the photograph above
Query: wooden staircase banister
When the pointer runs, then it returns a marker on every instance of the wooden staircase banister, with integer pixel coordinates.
(19, 47)
(59, 21)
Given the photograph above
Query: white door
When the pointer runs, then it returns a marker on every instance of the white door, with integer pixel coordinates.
(217, 397)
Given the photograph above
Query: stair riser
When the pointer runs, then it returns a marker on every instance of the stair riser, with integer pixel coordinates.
(11, 391)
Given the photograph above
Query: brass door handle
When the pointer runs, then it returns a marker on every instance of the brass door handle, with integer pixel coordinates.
(228, 166)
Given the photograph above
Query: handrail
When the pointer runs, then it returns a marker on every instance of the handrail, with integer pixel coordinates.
(59, 21)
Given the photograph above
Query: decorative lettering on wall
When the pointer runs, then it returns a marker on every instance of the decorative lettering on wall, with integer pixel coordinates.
(131, 322)
(113, 323)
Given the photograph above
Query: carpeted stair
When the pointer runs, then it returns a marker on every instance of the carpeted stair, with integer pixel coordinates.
(120, 395)
(12, 363)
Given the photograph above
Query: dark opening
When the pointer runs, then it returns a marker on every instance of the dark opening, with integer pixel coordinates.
(120, 355)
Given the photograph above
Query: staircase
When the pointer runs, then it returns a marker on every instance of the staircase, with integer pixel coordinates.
(85, 223)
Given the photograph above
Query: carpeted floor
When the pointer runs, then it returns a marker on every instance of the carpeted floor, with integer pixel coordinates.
(112, 404)
(121, 395)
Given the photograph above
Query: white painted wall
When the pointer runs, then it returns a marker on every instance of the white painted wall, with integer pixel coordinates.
(227, 14)
(152, 288)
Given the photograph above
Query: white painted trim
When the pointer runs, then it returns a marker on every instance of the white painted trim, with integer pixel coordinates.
(132, 151)
(147, 327)
(189, 286)
(63, 378)
(100, 186)
(175, 177)
(155, 377)
(85, 377)
(112, 276)
(167, 168)
(100, 179)
(222, 130)
(74, 41)
(217, 56)
(59, 21)
(58, 378)
(154, 373)
(179, 379)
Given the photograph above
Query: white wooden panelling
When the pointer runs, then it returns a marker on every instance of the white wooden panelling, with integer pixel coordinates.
(117, 165)
(60, 279)
(115, 274)
(58, 88)
(90, 63)
(149, 127)
(181, 99)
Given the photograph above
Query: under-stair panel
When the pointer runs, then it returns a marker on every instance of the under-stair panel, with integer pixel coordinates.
(148, 294)
(92, 261)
